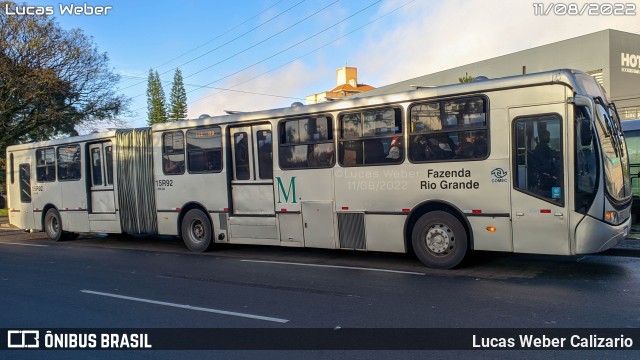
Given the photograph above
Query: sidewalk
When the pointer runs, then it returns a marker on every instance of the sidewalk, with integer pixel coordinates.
(4, 222)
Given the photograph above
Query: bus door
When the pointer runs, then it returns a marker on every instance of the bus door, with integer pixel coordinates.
(252, 182)
(101, 182)
(539, 194)
(21, 210)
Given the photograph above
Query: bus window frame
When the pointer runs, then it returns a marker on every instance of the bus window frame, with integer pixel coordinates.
(331, 141)
(55, 164)
(28, 166)
(108, 164)
(184, 150)
(12, 168)
(514, 162)
(69, 162)
(187, 151)
(93, 167)
(401, 135)
(486, 128)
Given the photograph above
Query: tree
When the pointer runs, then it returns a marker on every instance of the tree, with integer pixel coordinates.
(178, 100)
(466, 78)
(156, 106)
(51, 80)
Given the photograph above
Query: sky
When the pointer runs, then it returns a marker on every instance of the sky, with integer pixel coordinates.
(248, 55)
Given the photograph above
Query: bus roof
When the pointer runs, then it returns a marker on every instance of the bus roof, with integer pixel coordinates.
(578, 81)
(67, 140)
(566, 77)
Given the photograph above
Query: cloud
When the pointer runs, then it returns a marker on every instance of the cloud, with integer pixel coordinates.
(431, 37)
(289, 81)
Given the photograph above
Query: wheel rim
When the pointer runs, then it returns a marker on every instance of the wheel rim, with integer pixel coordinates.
(198, 232)
(439, 239)
(54, 226)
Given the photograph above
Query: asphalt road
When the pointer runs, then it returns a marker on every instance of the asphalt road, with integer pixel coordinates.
(119, 282)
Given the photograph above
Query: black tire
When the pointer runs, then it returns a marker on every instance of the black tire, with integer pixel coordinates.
(197, 231)
(53, 225)
(439, 240)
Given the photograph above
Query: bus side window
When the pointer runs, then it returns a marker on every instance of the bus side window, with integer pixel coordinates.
(265, 154)
(539, 165)
(371, 137)
(108, 158)
(45, 165)
(204, 150)
(69, 163)
(449, 129)
(173, 153)
(306, 143)
(96, 167)
(241, 155)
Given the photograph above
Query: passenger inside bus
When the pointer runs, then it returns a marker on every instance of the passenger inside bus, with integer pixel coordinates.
(544, 163)
(480, 146)
(417, 148)
(172, 167)
(439, 147)
(466, 146)
(394, 150)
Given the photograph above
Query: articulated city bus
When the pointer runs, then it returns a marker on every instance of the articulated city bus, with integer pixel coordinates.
(529, 164)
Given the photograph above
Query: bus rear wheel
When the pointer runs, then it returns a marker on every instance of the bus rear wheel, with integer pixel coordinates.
(196, 230)
(53, 225)
(439, 240)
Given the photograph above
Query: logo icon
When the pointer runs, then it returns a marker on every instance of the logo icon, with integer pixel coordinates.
(498, 173)
(22, 339)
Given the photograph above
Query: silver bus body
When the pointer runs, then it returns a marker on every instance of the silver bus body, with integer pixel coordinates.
(397, 204)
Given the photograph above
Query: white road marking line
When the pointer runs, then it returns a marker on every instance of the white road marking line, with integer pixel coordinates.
(335, 267)
(188, 307)
(12, 243)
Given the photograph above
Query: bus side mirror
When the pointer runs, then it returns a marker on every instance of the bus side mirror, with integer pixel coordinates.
(586, 136)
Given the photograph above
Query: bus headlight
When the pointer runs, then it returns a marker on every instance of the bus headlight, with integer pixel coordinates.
(611, 217)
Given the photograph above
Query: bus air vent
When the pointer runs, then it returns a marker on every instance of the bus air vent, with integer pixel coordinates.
(351, 231)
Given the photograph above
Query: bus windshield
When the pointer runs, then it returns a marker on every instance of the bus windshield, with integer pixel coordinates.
(614, 152)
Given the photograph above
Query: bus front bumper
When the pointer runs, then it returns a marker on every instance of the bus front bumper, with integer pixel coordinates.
(592, 236)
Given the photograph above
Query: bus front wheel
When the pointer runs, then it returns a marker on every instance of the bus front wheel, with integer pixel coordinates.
(196, 230)
(439, 240)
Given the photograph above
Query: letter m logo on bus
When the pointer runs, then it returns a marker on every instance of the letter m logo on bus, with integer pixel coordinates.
(289, 193)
